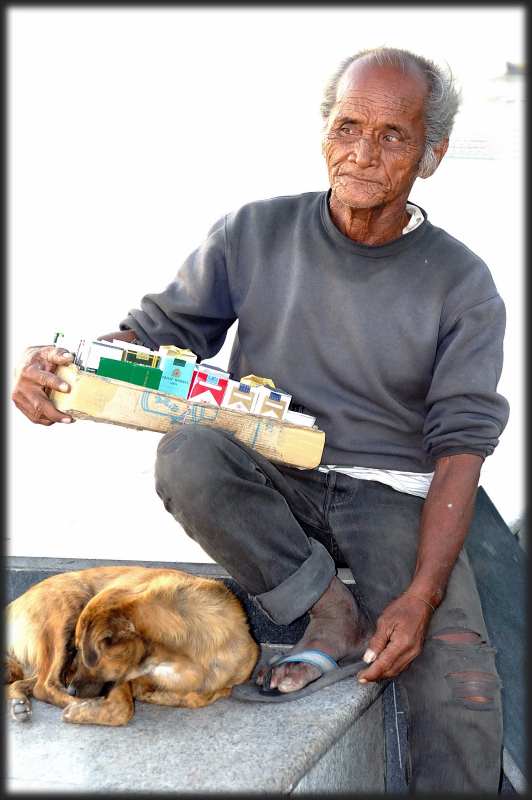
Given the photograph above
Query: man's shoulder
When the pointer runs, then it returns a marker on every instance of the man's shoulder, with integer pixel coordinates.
(280, 205)
(442, 239)
(463, 275)
(450, 251)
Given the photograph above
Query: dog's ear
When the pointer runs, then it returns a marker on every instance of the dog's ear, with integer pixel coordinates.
(121, 629)
(117, 628)
(90, 652)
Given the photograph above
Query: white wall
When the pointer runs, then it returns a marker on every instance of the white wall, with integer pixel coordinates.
(130, 131)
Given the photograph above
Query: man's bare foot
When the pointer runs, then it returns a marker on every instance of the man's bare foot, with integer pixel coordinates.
(337, 627)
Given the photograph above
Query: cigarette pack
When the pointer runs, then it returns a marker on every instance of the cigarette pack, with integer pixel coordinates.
(176, 376)
(239, 396)
(90, 352)
(298, 418)
(272, 402)
(177, 352)
(207, 387)
(146, 359)
(103, 399)
(256, 380)
(130, 373)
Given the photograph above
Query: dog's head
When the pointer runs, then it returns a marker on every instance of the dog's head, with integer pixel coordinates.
(109, 647)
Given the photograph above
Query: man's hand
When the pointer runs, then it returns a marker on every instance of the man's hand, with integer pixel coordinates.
(123, 336)
(398, 639)
(33, 374)
(402, 627)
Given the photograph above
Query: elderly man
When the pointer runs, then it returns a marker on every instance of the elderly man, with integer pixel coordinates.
(390, 332)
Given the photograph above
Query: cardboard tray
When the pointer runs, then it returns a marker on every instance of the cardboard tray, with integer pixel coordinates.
(100, 399)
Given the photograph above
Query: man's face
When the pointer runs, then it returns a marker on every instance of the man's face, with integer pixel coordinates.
(375, 136)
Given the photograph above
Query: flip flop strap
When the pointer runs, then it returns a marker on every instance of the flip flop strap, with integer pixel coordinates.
(320, 660)
(274, 659)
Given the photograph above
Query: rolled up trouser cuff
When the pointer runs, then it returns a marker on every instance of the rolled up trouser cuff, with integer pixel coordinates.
(297, 594)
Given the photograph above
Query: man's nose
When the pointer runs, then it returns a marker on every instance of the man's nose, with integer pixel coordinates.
(364, 151)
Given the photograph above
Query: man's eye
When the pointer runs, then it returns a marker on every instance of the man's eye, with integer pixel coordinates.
(391, 137)
(347, 129)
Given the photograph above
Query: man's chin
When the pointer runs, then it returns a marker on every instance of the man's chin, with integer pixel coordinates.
(371, 198)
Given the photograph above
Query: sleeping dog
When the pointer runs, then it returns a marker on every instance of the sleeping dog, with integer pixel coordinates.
(92, 641)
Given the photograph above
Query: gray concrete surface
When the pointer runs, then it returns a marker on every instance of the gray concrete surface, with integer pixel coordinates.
(229, 746)
(170, 749)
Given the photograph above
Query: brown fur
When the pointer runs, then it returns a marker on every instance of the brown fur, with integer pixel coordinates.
(93, 641)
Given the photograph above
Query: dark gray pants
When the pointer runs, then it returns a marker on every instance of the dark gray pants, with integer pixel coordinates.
(279, 532)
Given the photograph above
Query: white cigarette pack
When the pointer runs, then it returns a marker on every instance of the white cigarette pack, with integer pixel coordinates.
(271, 402)
(240, 396)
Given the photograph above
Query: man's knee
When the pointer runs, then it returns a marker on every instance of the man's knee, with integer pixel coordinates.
(477, 688)
(185, 461)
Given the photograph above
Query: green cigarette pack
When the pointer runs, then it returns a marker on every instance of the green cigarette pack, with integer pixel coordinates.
(149, 377)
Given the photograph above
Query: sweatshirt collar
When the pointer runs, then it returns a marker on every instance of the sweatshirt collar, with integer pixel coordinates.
(399, 245)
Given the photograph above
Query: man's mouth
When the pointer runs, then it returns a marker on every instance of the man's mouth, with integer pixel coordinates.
(358, 178)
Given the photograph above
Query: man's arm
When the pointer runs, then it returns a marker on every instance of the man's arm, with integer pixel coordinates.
(34, 374)
(402, 627)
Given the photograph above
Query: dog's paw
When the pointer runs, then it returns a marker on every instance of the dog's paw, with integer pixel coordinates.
(20, 709)
(75, 712)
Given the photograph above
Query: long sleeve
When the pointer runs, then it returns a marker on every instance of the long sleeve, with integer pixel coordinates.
(465, 412)
(195, 310)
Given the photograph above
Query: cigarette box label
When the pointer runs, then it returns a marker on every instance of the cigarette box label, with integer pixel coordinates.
(207, 388)
(176, 376)
(131, 373)
(91, 353)
(239, 396)
(148, 359)
(271, 403)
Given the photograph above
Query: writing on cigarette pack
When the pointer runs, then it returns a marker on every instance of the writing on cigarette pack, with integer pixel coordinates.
(175, 371)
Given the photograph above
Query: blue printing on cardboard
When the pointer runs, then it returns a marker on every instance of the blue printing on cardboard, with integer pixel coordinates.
(199, 414)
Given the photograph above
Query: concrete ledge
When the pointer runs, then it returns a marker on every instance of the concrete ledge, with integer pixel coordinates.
(328, 742)
(332, 741)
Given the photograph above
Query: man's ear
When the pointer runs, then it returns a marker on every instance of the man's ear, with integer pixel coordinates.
(439, 153)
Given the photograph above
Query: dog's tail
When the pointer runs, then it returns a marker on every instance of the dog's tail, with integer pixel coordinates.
(14, 671)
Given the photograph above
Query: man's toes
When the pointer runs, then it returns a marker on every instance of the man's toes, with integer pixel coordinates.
(20, 708)
(278, 674)
(298, 677)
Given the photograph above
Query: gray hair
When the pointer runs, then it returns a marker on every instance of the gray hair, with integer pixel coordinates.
(441, 105)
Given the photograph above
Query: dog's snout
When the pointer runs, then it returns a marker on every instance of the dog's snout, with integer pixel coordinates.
(88, 687)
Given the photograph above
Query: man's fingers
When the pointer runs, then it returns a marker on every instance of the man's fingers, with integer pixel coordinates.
(61, 353)
(398, 639)
(39, 409)
(36, 379)
(377, 643)
(34, 374)
(30, 396)
(387, 665)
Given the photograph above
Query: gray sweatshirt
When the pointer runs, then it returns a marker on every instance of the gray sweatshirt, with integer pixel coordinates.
(396, 349)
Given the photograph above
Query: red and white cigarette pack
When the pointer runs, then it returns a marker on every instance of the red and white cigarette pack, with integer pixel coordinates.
(208, 387)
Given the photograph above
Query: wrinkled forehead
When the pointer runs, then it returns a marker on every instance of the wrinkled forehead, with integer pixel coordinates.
(407, 85)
